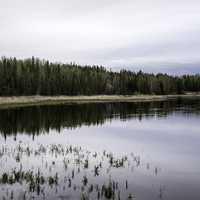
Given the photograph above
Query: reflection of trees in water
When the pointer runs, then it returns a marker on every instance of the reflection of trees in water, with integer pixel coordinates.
(39, 119)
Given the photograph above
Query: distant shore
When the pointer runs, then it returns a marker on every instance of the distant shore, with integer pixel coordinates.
(18, 101)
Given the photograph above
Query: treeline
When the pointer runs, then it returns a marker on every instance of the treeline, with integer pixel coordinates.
(40, 77)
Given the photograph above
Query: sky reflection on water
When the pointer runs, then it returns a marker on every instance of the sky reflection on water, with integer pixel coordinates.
(167, 145)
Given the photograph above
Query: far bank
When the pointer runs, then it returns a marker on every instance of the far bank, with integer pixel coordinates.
(18, 101)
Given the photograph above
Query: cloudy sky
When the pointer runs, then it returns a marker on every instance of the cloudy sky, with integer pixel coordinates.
(153, 35)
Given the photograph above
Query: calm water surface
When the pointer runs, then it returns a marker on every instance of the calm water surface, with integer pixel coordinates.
(101, 151)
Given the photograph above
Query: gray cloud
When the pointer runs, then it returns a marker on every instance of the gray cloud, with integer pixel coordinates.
(129, 33)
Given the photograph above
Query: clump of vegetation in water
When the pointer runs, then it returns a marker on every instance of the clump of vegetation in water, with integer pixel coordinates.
(62, 169)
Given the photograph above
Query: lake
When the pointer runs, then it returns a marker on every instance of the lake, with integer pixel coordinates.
(145, 151)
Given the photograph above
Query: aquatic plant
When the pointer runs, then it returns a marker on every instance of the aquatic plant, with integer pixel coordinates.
(66, 168)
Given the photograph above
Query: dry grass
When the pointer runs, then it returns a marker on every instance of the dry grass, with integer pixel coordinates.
(35, 100)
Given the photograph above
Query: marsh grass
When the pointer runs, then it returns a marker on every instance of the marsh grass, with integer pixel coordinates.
(65, 170)
(21, 101)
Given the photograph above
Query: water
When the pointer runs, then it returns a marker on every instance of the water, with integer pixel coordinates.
(101, 151)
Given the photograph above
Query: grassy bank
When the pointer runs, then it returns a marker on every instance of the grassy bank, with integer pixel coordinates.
(16, 101)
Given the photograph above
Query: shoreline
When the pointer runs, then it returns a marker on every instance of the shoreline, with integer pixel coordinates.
(21, 101)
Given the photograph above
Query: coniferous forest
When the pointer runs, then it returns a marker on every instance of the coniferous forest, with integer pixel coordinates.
(41, 77)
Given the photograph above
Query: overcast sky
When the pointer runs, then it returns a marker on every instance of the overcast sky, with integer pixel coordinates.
(154, 35)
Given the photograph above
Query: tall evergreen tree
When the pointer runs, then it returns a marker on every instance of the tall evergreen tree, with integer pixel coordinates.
(39, 77)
